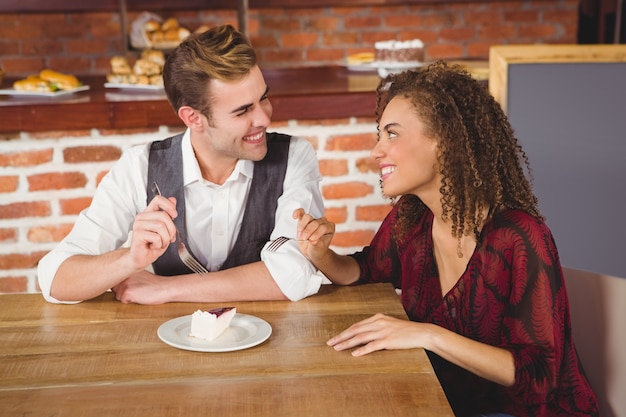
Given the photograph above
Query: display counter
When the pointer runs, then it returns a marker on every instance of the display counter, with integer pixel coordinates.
(298, 93)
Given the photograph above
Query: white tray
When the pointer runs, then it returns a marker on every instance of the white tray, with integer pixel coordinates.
(14, 92)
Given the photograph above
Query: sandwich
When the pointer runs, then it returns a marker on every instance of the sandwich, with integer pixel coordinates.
(59, 81)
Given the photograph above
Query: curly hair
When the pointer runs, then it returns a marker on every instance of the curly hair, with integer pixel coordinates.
(220, 53)
(481, 162)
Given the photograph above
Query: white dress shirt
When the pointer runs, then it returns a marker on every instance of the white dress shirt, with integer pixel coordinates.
(213, 215)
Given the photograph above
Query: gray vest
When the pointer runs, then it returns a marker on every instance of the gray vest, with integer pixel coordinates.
(165, 165)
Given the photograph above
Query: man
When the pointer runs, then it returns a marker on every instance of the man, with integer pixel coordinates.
(227, 185)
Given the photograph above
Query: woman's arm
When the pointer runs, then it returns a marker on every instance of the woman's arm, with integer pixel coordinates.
(314, 237)
(384, 332)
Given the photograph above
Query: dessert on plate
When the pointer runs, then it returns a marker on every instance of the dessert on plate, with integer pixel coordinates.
(209, 325)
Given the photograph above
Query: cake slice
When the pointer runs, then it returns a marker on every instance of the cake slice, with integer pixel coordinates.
(208, 325)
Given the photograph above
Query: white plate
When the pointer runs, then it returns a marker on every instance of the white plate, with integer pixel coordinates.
(139, 87)
(14, 92)
(389, 66)
(245, 331)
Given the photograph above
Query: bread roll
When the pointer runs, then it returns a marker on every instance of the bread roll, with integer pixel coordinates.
(156, 80)
(32, 83)
(360, 58)
(122, 78)
(151, 26)
(146, 67)
(171, 23)
(156, 36)
(183, 33)
(154, 55)
(120, 65)
(143, 79)
(171, 34)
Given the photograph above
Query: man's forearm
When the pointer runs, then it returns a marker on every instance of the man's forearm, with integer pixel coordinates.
(249, 282)
(82, 277)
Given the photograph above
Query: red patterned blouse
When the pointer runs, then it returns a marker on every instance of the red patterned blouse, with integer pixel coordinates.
(512, 295)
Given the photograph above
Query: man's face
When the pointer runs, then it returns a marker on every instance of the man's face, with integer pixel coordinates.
(240, 113)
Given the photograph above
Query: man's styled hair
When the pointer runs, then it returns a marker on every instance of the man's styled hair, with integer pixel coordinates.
(220, 53)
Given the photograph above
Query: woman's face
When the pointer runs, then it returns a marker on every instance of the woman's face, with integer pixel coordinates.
(407, 157)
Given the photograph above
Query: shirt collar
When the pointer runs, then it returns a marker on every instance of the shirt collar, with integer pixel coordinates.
(191, 169)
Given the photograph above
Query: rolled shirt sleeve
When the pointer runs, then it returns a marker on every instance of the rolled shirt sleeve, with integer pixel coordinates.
(294, 274)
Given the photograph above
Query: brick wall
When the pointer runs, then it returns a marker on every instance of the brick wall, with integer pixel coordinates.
(83, 43)
(46, 179)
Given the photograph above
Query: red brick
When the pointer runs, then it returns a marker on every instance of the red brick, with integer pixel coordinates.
(56, 181)
(323, 122)
(401, 21)
(497, 32)
(324, 54)
(8, 235)
(479, 18)
(521, 16)
(323, 24)
(264, 41)
(26, 158)
(70, 64)
(87, 46)
(334, 39)
(372, 213)
(9, 183)
(536, 31)
(41, 47)
(58, 134)
(46, 234)
(78, 154)
(458, 34)
(443, 51)
(23, 65)
(336, 214)
(74, 205)
(442, 19)
(131, 131)
(356, 142)
(299, 40)
(27, 209)
(367, 165)
(426, 36)
(333, 167)
(280, 24)
(13, 284)
(479, 50)
(352, 189)
(100, 176)
(282, 55)
(20, 260)
(353, 238)
(9, 48)
(362, 22)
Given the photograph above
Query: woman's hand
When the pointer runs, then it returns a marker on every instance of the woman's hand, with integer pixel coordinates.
(314, 235)
(380, 332)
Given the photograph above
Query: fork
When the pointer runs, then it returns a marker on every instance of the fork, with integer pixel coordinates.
(279, 241)
(183, 253)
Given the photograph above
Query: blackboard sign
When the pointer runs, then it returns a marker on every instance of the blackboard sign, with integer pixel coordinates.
(571, 120)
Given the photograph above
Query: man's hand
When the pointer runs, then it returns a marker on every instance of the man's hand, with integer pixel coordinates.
(143, 288)
(153, 231)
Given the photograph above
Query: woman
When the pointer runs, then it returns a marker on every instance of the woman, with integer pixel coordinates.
(477, 266)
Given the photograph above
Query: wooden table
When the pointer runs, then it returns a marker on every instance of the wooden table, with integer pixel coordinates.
(104, 358)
